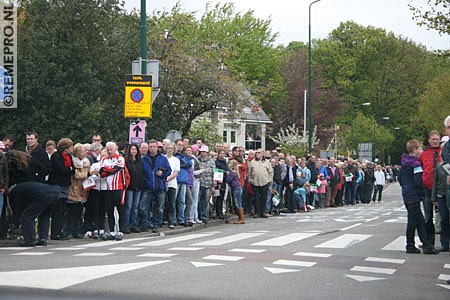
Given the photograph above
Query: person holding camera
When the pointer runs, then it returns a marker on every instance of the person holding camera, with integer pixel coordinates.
(157, 169)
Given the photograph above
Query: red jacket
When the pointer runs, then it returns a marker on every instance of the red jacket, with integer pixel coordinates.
(426, 159)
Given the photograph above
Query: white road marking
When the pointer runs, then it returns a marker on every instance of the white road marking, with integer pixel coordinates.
(126, 248)
(199, 264)
(280, 270)
(67, 249)
(185, 249)
(386, 260)
(311, 254)
(447, 266)
(399, 244)
(294, 263)
(166, 241)
(228, 239)
(351, 226)
(444, 286)
(109, 243)
(286, 239)
(373, 270)
(223, 257)
(15, 248)
(92, 254)
(247, 250)
(363, 278)
(444, 277)
(32, 253)
(56, 279)
(161, 255)
(344, 241)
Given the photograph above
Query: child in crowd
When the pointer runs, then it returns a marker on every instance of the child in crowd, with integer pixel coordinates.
(321, 190)
(236, 189)
(410, 180)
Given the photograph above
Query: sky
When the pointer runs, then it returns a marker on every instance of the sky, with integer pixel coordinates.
(290, 17)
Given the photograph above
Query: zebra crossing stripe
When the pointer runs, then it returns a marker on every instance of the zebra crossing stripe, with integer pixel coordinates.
(344, 241)
(223, 257)
(163, 241)
(94, 254)
(32, 253)
(385, 260)
(294, 263)
(247, 250)
(373, 270)
(444, 277)
(286, 239)
(159, 255)
(399, 244)
(228, 239)
(185, 249)
(310, 254)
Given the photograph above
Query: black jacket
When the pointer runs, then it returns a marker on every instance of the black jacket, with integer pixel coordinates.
(40, 163)
(61, 175)
(137, 175)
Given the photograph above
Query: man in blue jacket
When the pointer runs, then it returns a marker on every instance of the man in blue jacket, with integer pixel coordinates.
(182, 178)
(157, 168)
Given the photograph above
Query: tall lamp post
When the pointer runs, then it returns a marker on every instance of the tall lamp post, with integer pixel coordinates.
(353, 121)
(143, 38)
(309, 82)
(375, 136)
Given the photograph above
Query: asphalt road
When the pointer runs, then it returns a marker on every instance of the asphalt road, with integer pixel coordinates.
(351, 252)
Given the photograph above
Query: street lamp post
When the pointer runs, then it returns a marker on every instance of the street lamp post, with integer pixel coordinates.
(309, 82)
(353, 121)
(374, 155)
(143, 37)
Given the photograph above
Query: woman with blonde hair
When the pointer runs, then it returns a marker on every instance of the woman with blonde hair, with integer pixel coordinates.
(77, 195)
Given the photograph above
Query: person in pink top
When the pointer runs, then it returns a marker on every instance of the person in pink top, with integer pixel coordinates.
(321, 190)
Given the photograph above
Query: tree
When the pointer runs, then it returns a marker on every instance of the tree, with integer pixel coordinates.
(435, 96)
(72, 59)
(436, 16)
(292, 141)
(206, 131)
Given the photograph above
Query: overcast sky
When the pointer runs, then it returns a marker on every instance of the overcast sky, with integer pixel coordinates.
(290, 17)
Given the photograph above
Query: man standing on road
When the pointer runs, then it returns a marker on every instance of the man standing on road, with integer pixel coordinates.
(157, 169)
(429, 160)
(260, 173)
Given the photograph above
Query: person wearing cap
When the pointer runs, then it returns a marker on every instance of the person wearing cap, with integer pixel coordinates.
(429, 159)
(260, 173)
(207, 166)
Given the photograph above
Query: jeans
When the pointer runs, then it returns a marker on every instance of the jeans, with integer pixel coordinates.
(237, 197)
(350, 189)
(269, 198)
(378, 190)
(155, 200)
(300, 196)
(2, 197)
(132, 208)
(445, 226)
(181, 202)
(415, 221)
(172, 200)
(203, 203)
(193, 212)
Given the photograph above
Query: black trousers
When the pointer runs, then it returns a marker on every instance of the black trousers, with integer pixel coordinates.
(415, 221)
(260, 198)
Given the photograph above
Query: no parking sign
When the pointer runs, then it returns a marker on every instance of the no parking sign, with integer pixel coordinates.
(138, 96)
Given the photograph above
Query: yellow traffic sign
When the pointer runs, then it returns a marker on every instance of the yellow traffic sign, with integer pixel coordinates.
(138, 96)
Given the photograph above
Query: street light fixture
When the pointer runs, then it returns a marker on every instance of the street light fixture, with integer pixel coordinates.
(374, 155)
(309, 82)
(352, 152)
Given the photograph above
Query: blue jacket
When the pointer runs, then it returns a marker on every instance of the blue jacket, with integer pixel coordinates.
(410, 179)
(152, 181)
(185, 165)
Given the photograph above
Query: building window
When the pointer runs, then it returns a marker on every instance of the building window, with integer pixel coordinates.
(225, 136)
(233, 137)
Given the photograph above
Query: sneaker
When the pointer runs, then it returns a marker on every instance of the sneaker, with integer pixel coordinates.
(171, 226)
(198, 221)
